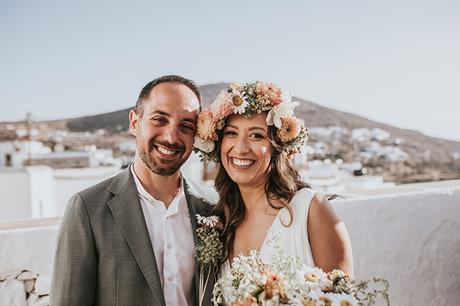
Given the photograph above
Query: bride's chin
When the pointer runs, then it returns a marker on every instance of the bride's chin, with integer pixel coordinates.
(240, 178)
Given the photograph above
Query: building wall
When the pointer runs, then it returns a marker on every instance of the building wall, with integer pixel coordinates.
(70, 181)
(40, 191)
(15, 195)
(67, 162)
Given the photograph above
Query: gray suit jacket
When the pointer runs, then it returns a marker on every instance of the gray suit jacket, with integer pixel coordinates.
(104, 255)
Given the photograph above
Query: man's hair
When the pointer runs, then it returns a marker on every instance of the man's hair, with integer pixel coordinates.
(145, 92)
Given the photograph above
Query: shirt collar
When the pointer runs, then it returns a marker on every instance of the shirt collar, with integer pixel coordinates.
(173, 207)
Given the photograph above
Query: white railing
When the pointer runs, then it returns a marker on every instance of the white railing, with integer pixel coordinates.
(408, 234)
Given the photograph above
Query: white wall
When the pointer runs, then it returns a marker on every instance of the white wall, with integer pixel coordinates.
(410, 238)
(408, 235)
(14, 195)
(69, 181)
(28, 249)
(40, 191)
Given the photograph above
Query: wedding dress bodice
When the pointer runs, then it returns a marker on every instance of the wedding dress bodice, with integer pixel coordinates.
(292, 239)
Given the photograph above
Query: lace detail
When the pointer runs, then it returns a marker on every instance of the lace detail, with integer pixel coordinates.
(273, 239)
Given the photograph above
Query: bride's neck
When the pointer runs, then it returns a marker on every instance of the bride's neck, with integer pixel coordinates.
(253, 197)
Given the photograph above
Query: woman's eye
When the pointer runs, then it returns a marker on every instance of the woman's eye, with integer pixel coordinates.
(229, 133)
(257, 136)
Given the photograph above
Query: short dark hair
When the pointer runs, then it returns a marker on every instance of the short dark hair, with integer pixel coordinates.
(172, 78)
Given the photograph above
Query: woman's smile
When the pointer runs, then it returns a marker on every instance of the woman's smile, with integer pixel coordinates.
(241, 163)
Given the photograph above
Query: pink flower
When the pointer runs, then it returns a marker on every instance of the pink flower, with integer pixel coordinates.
(269, 93)
(206, 126)
(290, 129)
(222, 105)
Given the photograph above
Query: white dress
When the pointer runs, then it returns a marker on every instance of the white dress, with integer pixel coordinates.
(293, 239)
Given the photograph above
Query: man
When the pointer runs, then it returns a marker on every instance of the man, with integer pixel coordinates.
(130, 240)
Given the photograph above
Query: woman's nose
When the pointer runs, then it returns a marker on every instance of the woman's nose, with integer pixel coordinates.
(241, 145)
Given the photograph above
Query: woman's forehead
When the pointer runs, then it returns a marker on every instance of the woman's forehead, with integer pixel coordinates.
(256, 120)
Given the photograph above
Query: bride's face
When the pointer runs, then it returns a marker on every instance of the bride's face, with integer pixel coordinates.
(246, 149)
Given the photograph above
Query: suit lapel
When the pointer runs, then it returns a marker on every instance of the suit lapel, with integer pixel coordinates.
(192, 210)
(127, 211)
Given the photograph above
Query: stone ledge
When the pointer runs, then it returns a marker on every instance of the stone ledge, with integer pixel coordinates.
(28, 223)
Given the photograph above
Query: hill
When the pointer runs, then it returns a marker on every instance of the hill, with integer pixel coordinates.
(415, 143)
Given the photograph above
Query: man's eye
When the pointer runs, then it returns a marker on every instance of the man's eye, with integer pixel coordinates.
(188, 128)
(159, 119)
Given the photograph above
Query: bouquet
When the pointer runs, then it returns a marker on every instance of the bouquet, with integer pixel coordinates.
(284, 280)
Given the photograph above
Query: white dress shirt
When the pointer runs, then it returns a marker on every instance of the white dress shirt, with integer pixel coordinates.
(171, 236)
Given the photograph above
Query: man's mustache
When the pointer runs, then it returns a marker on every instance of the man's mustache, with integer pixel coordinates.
(172, 146)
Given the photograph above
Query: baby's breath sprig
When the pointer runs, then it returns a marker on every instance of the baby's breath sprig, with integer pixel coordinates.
(209, 249)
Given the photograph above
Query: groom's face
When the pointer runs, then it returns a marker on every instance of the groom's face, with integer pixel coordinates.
(165, 129)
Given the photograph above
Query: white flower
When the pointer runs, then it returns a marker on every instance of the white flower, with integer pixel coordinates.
(328, 299)
(285, 96)
(210, 221)
(313, 277)
(239, 101)
(314, 294)
(206, 146)
(336, 274)
(282, 110)
(235, 86)
(344, 299)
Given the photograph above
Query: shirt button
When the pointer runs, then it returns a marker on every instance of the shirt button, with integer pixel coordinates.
(169, 246)
(170, 279)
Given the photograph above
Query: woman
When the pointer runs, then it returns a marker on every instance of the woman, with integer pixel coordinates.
(251, 131)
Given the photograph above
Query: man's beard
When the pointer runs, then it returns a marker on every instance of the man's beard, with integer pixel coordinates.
(153, 166)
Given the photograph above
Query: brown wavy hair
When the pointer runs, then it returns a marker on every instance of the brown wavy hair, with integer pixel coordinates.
(282, 183)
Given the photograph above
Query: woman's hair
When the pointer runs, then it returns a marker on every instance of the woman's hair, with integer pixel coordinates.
(282, 183)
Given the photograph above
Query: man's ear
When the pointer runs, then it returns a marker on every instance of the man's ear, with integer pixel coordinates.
(133, 122)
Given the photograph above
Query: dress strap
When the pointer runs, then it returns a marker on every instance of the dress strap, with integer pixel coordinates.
(302, 204)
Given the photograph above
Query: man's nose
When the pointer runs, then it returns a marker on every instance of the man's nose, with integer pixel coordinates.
(170, 134)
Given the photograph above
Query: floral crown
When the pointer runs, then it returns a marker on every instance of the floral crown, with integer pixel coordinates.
(248, 99)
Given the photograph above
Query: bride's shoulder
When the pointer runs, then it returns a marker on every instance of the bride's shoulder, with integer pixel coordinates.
(321, 211)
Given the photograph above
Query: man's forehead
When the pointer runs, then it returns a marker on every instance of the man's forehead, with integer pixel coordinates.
(170, 108)
(175, 95)
(171, 90)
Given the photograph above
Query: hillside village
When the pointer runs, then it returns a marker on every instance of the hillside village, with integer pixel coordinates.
(341, 145)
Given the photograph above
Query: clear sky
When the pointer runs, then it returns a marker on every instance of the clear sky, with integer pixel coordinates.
(396, 62)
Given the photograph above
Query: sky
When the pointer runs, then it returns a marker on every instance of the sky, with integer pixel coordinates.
(396, 62)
